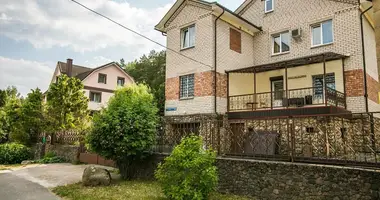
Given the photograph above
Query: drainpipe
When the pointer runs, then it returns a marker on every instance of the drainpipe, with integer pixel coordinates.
(215, 59)
(364, 62)
(365, 80)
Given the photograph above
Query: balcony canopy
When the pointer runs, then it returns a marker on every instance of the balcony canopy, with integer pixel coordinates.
(318, 58)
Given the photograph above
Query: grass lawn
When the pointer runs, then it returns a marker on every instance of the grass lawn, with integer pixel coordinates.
(132, 190)
(6, 167)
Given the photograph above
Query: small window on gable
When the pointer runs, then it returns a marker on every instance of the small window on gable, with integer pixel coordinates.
(102, 78)
(269, 6)
(120, 81)
(235, 40)
(188, 37)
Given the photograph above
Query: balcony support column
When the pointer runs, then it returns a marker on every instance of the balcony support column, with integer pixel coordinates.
(228, 92)
(286, 86)
(344, 84)
(254, 88)
(324, 78)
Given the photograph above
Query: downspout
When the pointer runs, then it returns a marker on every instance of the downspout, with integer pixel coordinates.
(215, 59)
(364, 62)
(365, 80)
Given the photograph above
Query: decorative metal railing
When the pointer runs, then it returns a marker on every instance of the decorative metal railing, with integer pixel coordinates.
(284, 99)
(352, 140)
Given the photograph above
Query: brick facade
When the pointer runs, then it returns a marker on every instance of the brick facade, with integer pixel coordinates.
(373, 89)
(203, 85)
(354, 83)
(257, 49)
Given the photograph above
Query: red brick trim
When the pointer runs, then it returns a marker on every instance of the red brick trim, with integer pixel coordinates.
(203, 85)
(355, 85)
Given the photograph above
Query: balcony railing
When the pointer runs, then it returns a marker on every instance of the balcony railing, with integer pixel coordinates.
(302, 97)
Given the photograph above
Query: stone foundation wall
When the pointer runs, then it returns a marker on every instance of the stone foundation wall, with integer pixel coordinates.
(281, 180)
(68, 152)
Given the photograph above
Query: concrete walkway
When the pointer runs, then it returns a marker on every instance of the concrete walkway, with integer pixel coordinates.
(33, 182)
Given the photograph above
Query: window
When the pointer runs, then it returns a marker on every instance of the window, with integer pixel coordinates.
(281, 43)
(188, 37)
(269, 6)
(318, 83)
(120, 81)
(322, 33)
(96, 97)
(186, 86)
(102, 78)
(235, 40)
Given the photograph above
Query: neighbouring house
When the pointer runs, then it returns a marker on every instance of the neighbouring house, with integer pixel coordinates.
(99, 83)
(269, 58)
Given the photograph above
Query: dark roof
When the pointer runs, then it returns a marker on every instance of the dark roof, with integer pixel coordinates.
(76, 69)
(79, 71)
(290, 63)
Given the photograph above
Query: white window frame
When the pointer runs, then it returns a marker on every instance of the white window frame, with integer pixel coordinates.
(186, 94)
(265, 6)
(281, 51)
(319, 24)
(188, 35)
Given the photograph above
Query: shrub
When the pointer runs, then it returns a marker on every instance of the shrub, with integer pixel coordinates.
(189, 172)
(126, 128)
(13, 153)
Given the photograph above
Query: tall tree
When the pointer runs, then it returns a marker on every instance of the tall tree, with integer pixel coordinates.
(150, 69)
(66, 105)
(9, 112)
(31, 121)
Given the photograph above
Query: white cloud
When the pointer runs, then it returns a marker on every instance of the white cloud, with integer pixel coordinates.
(46, 24)
(24, 74)
(97, 61)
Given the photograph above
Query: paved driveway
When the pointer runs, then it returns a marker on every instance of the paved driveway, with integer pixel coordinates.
(32, 182)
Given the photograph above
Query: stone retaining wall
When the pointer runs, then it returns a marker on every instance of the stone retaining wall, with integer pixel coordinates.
(68, 152)
(281, 180)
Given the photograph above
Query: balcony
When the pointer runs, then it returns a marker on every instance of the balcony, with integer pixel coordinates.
(313, 85)
(295, 98)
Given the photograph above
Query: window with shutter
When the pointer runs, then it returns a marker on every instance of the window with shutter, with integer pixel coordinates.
(235, 40)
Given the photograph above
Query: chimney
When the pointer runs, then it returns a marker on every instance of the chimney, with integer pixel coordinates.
(69, 66)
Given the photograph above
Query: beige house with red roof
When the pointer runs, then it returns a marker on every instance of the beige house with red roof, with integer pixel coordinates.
(99, 83)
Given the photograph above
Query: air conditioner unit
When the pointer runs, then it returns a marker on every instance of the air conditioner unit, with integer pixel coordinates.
(296, 33)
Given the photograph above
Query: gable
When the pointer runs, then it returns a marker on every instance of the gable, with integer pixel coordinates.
(182, 12)
(113, 71)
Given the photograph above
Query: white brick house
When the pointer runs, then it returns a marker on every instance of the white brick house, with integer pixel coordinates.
(270, 58)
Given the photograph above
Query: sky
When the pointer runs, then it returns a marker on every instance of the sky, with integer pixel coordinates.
(35, 34)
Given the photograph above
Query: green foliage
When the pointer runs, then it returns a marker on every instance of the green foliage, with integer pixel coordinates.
(189, 172)
(126, 128)
(50, 157)
(9, 113)
(67, 105)
(150, 69)
(13, 153)
(31, 119)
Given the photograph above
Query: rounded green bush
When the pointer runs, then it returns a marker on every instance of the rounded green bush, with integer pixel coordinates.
(125, 130)
(13, 153)
(189, 172)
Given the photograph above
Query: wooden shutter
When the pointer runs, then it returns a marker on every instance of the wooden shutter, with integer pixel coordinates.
(235, 40)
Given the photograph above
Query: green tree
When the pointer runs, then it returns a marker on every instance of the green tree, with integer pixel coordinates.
(9, 112)
(31, 120)
(150, 69)
(126, 128)
(66, 105)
